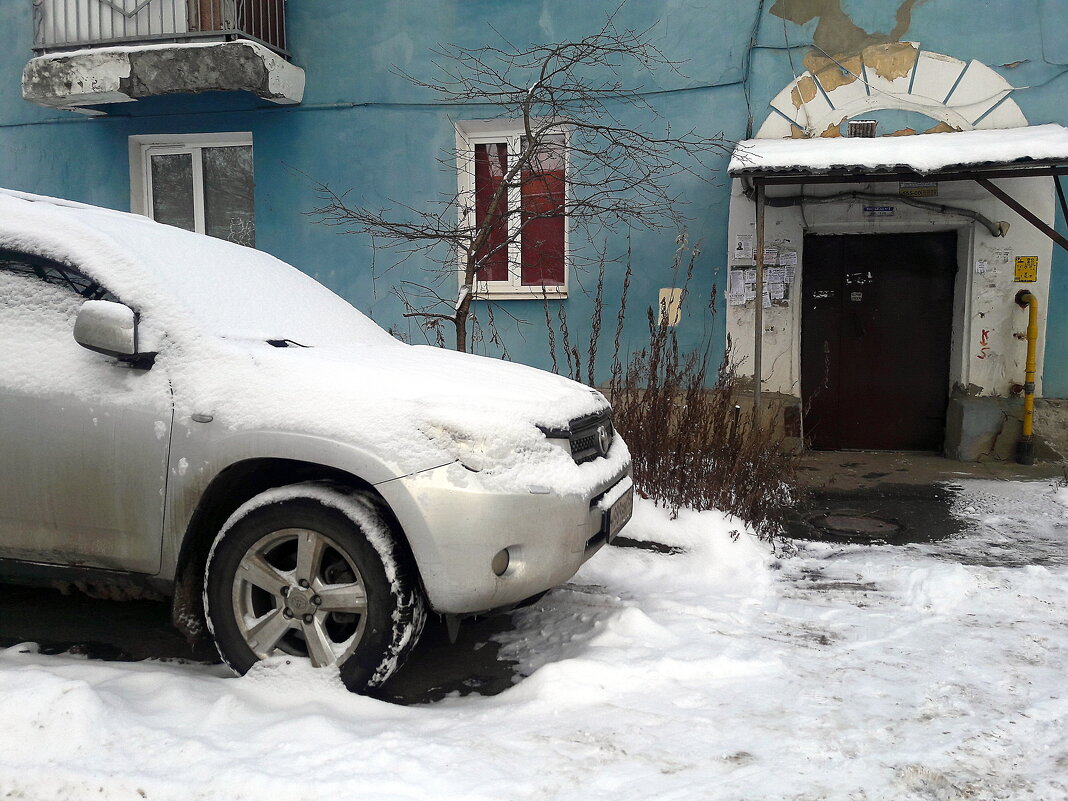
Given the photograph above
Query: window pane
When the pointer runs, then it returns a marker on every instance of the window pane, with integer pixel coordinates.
(172, 189)
(229, 204)
(36, 320)
(543, 216)
(49, 272)
(491, 164)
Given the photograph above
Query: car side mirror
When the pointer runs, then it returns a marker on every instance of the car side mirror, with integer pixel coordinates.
(107, 327)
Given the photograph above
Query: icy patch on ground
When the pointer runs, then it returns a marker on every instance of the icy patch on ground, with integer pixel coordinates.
(847, 672)
(1010, 523)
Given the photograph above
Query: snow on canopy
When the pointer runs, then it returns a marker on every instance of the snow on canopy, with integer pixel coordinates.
(923, 154)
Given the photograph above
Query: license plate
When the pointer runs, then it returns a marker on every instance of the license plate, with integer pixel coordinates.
(620, 513)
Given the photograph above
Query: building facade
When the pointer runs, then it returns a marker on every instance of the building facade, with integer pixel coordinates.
(224, 116)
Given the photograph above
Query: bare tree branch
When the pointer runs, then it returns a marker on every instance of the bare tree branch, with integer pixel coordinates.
(619, 174)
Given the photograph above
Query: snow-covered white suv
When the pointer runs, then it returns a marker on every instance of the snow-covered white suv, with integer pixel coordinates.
(189, 417)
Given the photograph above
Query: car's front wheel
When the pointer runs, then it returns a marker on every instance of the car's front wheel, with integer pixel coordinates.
(313, 571)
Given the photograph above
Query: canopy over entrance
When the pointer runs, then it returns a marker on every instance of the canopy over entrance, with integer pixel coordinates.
(942, 156)
(1039, 151)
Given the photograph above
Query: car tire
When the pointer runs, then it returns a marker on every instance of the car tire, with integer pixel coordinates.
(313, 571)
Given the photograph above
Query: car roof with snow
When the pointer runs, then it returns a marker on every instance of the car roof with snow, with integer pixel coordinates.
(226, 289)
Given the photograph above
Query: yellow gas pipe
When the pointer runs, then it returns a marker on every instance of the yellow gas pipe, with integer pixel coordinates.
(1025, 448)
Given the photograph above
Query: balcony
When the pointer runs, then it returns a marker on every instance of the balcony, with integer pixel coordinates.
(91, 53)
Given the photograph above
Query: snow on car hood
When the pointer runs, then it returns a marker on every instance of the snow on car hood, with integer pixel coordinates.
(416, 407)
(209, 307)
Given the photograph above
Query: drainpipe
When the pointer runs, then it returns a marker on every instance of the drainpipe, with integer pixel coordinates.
(1025, 448)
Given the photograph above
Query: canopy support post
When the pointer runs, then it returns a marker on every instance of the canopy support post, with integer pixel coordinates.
(1060, 196)
(758, 311)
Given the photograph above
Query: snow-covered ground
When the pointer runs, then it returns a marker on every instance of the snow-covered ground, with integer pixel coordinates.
(845, 672)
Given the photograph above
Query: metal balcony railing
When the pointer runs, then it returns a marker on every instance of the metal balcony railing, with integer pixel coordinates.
(71, 24)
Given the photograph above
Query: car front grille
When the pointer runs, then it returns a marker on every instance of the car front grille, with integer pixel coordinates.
(591, 436)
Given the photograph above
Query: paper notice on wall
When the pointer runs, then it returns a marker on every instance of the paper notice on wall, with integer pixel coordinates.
(750, 291)
(787, 258)
(980, 266)
(736, 288)
(918, 188)
(743, 247)
(750, 276)
(776, 290)
(1001, 256)
(775, 275)
(771, 256)
(788, 276)
(767, 299)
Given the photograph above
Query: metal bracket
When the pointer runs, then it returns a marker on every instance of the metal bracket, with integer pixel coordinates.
(1022, 210)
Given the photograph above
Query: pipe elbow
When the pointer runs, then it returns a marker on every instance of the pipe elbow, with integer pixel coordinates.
(1024, 298)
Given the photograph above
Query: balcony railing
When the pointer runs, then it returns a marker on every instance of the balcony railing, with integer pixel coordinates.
(72, 24)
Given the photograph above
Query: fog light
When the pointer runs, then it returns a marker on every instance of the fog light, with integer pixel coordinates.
(500, 562)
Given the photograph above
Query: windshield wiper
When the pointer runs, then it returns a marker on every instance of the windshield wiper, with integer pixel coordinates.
(285, 343)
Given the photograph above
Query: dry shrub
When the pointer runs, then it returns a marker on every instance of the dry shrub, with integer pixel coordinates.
(692, 445)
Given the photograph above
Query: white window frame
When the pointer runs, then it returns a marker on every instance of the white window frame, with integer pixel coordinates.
(144, 146)
(484, 132)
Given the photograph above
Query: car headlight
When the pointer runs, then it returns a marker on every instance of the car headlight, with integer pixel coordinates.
(563, 444)
(479, 451)
(473, 451)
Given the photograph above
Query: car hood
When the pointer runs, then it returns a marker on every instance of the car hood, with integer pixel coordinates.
(414, 403)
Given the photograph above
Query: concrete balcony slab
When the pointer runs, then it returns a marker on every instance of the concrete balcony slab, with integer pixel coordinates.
(100, 76)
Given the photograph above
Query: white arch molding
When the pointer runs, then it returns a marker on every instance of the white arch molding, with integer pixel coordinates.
(897, 76)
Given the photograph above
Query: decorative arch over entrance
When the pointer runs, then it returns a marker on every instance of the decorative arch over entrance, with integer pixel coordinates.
(961, 96)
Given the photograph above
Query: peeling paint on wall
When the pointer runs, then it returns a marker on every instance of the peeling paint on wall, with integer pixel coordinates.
(836, 33)
(804, 92)
(844, 53)
(832, 74)
(942, 127)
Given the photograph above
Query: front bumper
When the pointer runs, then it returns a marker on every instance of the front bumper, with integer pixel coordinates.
(455, 527)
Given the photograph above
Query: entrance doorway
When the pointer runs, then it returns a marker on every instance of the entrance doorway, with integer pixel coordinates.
(876, 325)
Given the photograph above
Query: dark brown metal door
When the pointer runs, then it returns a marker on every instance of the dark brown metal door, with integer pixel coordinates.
(876, 323)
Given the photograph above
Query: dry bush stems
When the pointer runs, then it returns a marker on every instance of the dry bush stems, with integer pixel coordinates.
(692, 445)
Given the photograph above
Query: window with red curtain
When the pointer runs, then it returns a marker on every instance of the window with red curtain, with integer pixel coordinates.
(541, 249)
(543, 216)
(491, 164)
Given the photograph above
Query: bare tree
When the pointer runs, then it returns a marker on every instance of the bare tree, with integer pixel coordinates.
(570, 100)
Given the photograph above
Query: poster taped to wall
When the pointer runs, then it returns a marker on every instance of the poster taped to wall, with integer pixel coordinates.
(743, 247)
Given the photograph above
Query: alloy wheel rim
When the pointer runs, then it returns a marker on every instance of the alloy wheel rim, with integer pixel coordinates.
(296, 591)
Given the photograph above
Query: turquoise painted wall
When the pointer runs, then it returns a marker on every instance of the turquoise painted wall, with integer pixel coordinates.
(365, 128)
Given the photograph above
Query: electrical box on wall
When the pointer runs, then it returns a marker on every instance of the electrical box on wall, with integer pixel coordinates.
(670, 306)
(1026, 269)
